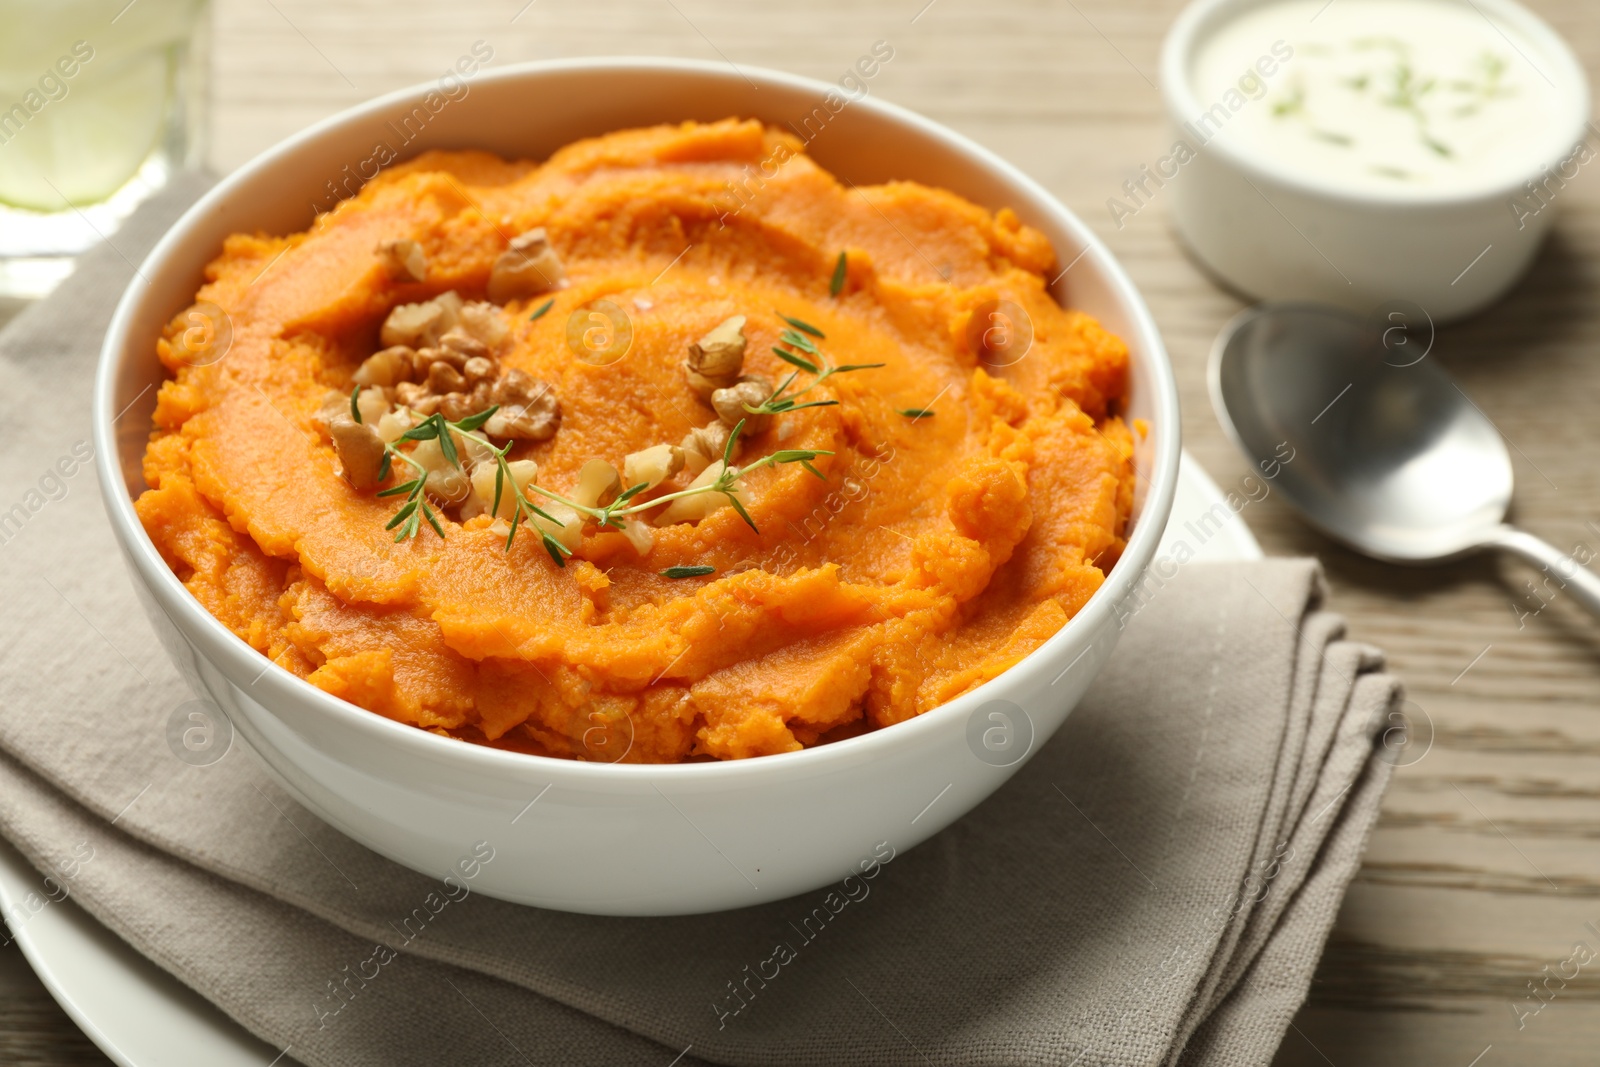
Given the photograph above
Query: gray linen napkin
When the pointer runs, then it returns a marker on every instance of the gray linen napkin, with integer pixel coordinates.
(1154, 887)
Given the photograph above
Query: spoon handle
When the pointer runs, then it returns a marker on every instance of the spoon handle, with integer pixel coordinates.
(1570, 578)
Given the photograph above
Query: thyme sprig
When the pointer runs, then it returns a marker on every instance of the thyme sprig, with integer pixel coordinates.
(612, 515)
(802, 325)
(803, 354)
(698, 570)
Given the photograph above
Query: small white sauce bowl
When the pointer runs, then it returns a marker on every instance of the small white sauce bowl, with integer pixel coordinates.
(1274, 234)
(624, 839)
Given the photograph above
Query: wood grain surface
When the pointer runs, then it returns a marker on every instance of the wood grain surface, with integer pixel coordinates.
(1485, 868)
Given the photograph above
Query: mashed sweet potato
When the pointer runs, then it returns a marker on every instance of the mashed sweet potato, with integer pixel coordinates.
(940, 549)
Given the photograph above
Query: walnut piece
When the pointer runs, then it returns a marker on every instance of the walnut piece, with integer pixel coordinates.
(523, 472)
(415, 325)
(457, 406)
(485, 322)
(528, 408)
(715, 360)
(386, 368)
(443, 378)
(462, 343)
(705, 445)
(694, 508)
(529, 267)
(598, 484)
(421, 325)
(730, 404)
(360, 450)
(404, 260)
(334, 404)
(652, 466)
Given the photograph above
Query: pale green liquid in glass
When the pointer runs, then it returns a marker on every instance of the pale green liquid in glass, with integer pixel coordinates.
(68, 141)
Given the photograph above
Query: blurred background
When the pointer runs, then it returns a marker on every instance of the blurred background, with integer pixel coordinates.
(1451, 917)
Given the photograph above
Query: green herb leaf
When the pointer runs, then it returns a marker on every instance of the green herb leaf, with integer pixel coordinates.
(697, 571)
(733, 440)
(556, 549)
(813, 470)
(386, 467)
(799, 361)
(545, 515)
(792, 406)
(516, 520)
(631, 492)
(499, 485)
(795, 339)
(914, 413)
(802, 325)
(404, 487)
(836, 286)
(858, 366)
(427, 513)
(473, 422)
(355, 412)
(402, 515)
(743, 514)
(423, 431)
(544, 307)
(447, 444)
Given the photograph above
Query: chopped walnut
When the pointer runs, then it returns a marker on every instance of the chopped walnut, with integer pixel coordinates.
(334, 404)
(730, 404)
(529, 267)
(528, 408)
(425, 403)
(639, 535)
(715, 360)
(421, 325)
(443, 378)
(523, 472)
(444, 480)
(462, 343)
(485, 322)
(414, 325)
(598, 484)
(704, 445)
(427, 357)
(652, 466)
(406, 394)
(457, 406)
(386, 368)
(404, 260)
(373, 405)
(568, 527)
(392, 426)
(360, 450)
(694, 508)
(478, 368)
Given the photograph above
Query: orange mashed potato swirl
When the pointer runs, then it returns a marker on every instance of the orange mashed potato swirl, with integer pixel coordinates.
(938, 552)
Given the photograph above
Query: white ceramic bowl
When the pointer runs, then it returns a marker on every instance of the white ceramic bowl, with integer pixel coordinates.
(605, 838)
(1276, 235)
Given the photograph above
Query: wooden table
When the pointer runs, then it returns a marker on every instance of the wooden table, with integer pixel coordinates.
(1485, 867)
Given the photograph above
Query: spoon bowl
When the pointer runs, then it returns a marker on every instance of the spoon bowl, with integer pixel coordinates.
(1373, 443)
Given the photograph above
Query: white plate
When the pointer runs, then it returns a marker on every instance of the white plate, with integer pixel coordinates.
(137, 1013)
(141, 1016)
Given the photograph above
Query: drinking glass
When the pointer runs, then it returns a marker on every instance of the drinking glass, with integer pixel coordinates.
(100, 103)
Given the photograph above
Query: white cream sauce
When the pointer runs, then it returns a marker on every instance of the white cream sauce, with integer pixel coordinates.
(1418, 97)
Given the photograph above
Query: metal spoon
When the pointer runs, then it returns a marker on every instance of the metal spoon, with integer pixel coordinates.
(1372, 442)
